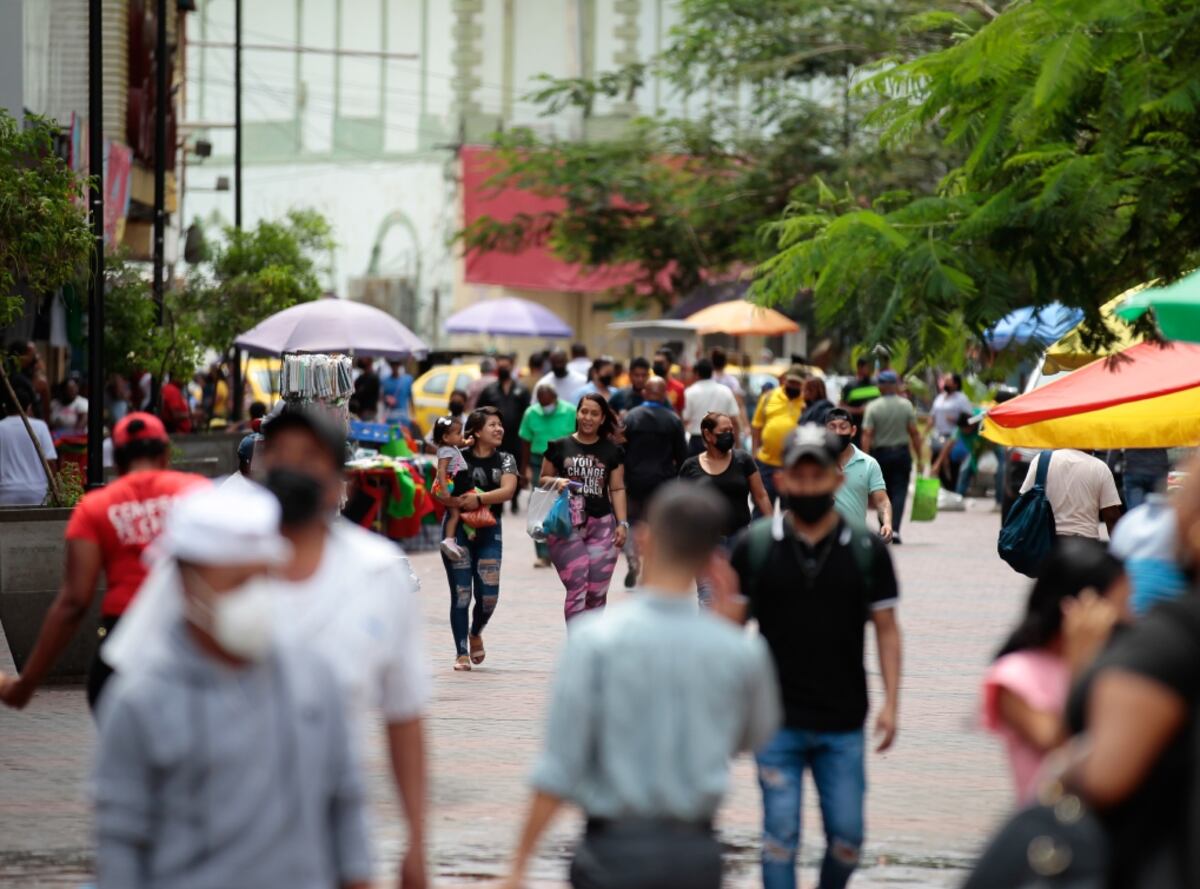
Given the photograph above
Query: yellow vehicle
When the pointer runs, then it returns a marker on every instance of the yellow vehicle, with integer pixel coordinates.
(262, 380)
(431, 391)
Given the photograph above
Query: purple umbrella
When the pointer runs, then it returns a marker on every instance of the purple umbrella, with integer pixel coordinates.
(508, 317)
(333, 325)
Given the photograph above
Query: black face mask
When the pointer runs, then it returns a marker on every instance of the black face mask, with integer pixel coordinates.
(844, 441)
(457, 408)
(560, 372)
(724, 442)
(809, 508)
(605, 380)
(660, 369)
(503, 374)
(299, 494)
(792, 392)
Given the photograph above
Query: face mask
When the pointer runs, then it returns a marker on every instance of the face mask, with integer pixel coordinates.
(809, 508)
(792, 392)
(240, 621)
(503, 374)
(724, 442)
(560, 372)
(457, 408)
(299, 494)
(660, 369)
(844, 441)
(605, 380)
(548, 409)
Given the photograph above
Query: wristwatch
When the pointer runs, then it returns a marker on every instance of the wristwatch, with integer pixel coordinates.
(624, 525)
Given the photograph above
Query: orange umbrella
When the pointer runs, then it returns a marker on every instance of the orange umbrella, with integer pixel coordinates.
(740, 317)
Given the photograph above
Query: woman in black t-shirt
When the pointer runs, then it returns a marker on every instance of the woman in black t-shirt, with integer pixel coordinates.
(585, 560)
(489, 479)
(732, 472)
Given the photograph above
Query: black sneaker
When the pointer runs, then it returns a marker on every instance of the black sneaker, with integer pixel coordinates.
(896, 541)
(631, 578)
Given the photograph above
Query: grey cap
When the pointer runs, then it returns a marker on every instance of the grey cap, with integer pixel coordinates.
(812, 442)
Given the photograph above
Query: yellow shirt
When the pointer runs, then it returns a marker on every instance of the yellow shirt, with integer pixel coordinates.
(776, 417)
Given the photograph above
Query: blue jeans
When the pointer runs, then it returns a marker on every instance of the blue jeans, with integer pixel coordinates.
(836, 760)
(477, 572)
(1137, 486)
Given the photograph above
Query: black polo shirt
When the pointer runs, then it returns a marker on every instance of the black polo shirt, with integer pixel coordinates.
(512, 406)
(812, 604)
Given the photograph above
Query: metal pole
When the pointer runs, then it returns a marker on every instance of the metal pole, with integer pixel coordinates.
(238, 387)
(162, 86)
(95, 448)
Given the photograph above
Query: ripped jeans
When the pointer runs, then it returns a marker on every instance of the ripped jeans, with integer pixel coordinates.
(837, 763)
(477, 572)
(585, 563)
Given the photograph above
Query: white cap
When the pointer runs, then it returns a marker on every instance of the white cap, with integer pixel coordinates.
(225, 526)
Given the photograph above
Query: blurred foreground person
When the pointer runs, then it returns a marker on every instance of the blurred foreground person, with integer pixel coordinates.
(651, 700)
(1136, 763)
(813, 581)
(1077, 600)
(226, 759)
(108, 531)
(346, 595)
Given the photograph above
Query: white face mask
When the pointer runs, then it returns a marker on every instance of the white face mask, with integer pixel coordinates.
(241, 620)
(548, 409)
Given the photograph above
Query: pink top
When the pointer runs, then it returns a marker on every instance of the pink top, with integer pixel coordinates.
(1042, 680)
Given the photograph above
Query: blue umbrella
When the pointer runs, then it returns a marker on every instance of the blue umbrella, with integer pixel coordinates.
(1044, 325)
(508, 316)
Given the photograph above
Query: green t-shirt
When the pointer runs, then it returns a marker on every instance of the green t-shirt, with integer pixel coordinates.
(540, 428)
(863, 477)
(889, 418)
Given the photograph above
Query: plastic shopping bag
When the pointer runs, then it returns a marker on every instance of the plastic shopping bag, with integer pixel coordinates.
(541, 501)
(558, 520)
(925, 499)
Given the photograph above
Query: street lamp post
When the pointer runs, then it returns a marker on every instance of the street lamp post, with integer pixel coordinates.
(95, 447)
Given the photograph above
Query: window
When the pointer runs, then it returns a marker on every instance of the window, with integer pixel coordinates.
(436, 385)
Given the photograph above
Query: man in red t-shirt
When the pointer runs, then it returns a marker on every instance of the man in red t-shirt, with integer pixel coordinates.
(175, 411)
(108, 530)
(663, 359)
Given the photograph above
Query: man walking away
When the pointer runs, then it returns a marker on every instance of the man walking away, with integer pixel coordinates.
(704, 397)
(226, 760)
(22, 477)
(566, 382)
(663, 359)
(636, 687)
(891, 428)
(579, 363)
(625, 400)
(1081, 491)
(654, 451)
(108, 531)
(813, 581)
(1146, 471)
(862, 478)
(509, 397)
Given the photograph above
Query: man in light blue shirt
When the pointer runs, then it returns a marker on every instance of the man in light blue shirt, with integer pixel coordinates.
(652, 700)
(863, 485)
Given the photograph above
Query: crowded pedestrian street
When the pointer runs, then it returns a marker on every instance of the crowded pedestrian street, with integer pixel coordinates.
(933, 798)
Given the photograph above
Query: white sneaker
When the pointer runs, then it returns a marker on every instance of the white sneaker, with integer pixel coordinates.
(451, 549)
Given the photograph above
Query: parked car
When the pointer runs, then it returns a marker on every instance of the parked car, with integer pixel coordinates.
(431, 391)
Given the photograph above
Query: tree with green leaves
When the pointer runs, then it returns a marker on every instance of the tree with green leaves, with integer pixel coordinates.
(1077, 123)
(684, 200)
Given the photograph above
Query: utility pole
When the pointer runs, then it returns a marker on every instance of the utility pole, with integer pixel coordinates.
(238, 387)
(95, 446)
(162, 85)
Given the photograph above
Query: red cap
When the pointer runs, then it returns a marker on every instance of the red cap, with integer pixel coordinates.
(138, 426)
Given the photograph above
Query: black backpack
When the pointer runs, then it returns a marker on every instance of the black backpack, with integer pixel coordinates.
(1027, 535)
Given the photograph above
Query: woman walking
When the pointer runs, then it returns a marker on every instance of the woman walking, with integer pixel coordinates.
(733, 474)
(585, 560)
(488, 479)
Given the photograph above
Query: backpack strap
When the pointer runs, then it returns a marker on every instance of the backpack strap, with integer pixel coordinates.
(1043, 468)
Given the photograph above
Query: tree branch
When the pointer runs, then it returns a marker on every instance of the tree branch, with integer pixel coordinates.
(981, 7)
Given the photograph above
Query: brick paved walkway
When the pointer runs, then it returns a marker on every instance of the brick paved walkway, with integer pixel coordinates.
(931, 800)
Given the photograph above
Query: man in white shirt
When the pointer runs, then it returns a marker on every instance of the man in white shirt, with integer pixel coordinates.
(22, 478)
(1081, 491)
(703, 397)
(579, 363)
(566, 382)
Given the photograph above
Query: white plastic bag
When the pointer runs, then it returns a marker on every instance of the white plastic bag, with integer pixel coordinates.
(948, 501)
(541, 499)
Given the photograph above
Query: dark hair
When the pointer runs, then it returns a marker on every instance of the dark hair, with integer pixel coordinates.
(258, 410)
(964, 420)
(578, 350)
(665, 352)
(817, 385)
(609, 424)
(478, 418)
(639, 363)
(599, 363)
(957, 377)
(862, 362)
(138, 449)
(719, 359)
(24, 393)
(1074, 565)
(442, 427)
(704, 369)
(711, 419)
(537, 360)
(457, 392)
(839, 413)
(688, 521)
